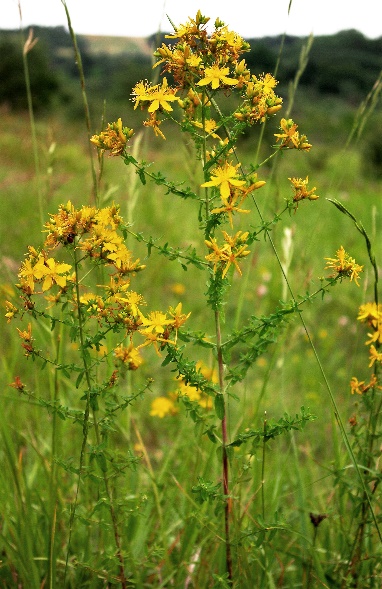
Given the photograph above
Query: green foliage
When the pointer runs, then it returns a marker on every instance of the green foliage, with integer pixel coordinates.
(44, 82)
(272, 429)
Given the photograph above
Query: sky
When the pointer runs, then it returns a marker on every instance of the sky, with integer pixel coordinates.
(248, 18)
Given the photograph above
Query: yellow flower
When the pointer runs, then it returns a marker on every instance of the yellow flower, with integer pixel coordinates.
(344, 265)
(370, 313)
(301, 191)
(154, 124)
(194, 61)
(375, 356)
(162, 406)
(190, 28)
(375, 337)
(155, 340)
(106, 217)
(129, 356)
(290, 137)
(27, 338)
(154, 323)
(227, 254)
(114, 139)
(228, 42)
(209, 127)
(140, 92)
(159, 96)
(134, 299)
(360, 387)
(11, 311)
(179, 318)
(217, 76)
(224, 176)
(264, 84)
(27, 274)
(26, 335)
(52, 272)
(231, 204)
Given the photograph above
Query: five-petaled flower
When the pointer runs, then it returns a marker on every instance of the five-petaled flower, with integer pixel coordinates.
(217, 76)
(155, 322)
(52, 272)
(224, 176)
(159, 95)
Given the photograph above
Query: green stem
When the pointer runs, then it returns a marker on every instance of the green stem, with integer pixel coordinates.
(78, 59)
(327, 385)
(225, 465)
(53, 472)
(263, 473)
(371, 437)
(27, 46)
(85, 426)
(113, 515)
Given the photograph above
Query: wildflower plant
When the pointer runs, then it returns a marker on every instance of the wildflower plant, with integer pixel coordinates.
(90, 298)
(200, 69)
(365, 425)
(81, 281)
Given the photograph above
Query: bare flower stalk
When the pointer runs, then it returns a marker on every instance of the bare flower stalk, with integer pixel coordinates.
(225, 463)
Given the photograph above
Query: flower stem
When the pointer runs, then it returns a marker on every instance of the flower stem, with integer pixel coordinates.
(113, 516)
(85, 426)
(225, 464)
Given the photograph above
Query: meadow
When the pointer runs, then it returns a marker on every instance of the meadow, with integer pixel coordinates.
(116, 471)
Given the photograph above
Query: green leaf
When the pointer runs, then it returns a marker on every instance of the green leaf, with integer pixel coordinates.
(101, 461)
(141, 174)
(219, 406)
(79, 379)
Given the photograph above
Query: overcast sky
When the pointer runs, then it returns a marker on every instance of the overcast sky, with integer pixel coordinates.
(249, 18)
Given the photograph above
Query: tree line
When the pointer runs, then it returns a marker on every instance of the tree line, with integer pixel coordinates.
(345, 65)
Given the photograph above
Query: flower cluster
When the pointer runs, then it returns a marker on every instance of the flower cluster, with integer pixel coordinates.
(96, 236)
(371, 315)
(198, 59)
(200, 65)
(114, 139)
(233, 248)
(158, 98)
(344, 266)
(301, 191)
(290, 138)
(260, 100)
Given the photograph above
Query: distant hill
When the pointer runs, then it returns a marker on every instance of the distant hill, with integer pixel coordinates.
(112, 46)
(345, 64)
